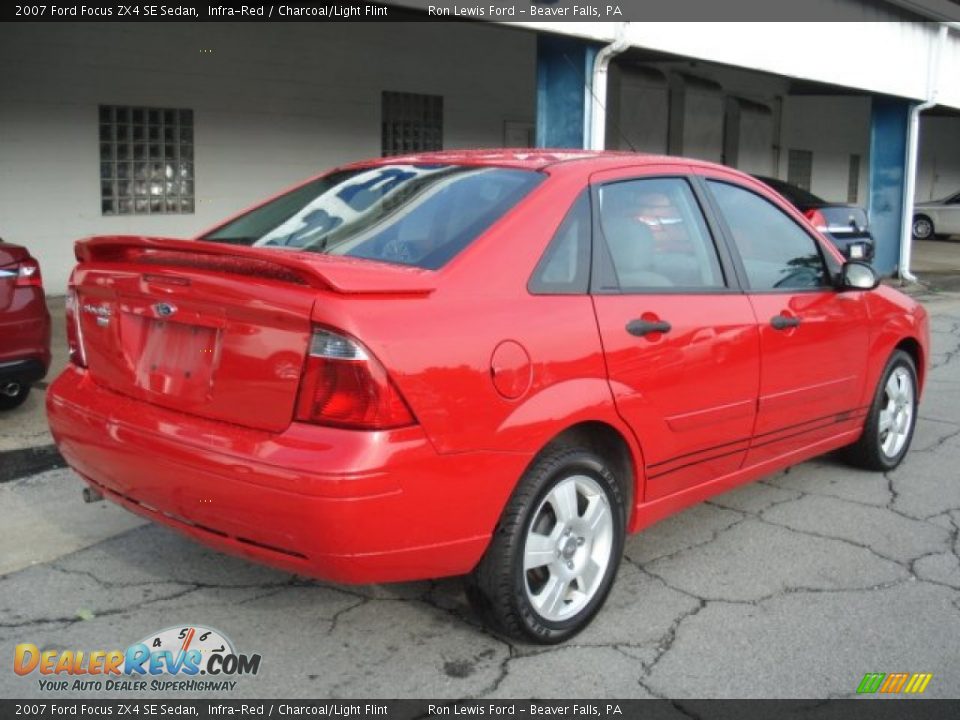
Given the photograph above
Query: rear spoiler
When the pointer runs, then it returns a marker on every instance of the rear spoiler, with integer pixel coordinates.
(328, 272)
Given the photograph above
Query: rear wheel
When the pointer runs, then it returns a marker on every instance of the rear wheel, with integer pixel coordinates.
(555, 553)
(922, 227)
(13, 394)
(892, 418)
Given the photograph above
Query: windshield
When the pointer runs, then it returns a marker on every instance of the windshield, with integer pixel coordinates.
(419, 215)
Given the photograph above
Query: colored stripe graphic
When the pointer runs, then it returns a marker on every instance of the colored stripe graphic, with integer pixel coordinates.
(893, 683)
(870, 683)
(918, 683)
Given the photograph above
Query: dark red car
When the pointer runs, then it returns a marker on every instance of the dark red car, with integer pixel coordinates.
(24, 325)
(490, 363)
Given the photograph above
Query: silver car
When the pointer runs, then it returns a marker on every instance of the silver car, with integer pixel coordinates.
(937, 217)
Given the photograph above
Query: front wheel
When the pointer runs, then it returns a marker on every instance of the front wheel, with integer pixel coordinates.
(922, 227)
(892, 418)
(555, 553)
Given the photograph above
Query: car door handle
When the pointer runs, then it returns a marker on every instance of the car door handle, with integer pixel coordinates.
(641, 327)
(782, 322)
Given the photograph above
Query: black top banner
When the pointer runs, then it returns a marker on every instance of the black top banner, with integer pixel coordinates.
(518, 11)
(506, 709)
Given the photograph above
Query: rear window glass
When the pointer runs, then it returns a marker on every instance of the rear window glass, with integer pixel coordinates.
(420, 215)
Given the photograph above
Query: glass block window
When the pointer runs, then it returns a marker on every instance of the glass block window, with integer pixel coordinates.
(146, 160)
(800, 168)
(411, 123)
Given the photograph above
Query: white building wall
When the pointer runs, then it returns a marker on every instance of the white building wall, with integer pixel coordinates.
(272, 105)
(767, 123)
(703, 110)
(879, 48)
(832, 128)
(938, 166)
(948, 85)
(755, 141)
(637, 110)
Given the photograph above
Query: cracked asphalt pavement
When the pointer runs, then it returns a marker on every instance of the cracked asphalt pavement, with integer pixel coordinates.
(794, 586)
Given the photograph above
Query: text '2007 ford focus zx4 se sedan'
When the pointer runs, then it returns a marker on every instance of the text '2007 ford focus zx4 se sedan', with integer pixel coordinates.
(492, 364)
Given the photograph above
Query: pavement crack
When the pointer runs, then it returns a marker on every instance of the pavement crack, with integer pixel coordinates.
(667, 641)
(952, 353)
(782, 592)
(73, 620)
(335, 618)
(713, 535)
(941, 441)
(836, 538)
(503, 672)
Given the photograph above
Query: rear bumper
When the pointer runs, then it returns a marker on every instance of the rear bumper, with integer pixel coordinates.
(26, 371)
(25, 337)
(341, 505)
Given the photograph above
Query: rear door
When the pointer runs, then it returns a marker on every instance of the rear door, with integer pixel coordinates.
(813, 338)
(679, 336)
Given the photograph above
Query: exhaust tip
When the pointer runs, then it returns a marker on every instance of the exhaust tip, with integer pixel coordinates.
(91, 496)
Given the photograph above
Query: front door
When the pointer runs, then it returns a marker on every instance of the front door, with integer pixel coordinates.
(813, 338)
(680, 338)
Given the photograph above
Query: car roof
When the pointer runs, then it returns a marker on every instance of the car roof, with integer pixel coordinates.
(535, 159)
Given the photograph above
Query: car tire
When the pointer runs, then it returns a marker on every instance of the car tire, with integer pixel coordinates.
(922, 227)
(554, 554)
(889, 426)
(13, 394)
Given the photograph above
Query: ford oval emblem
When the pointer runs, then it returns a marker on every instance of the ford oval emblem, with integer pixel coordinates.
(165, 309)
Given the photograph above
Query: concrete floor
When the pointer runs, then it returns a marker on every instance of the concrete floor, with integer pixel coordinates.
(791, 587)
(937, 262)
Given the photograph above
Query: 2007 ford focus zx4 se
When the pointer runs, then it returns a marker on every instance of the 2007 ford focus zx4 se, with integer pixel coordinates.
(483, 363)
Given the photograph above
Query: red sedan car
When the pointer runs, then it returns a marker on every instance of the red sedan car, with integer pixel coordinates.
(24, 325)
(491, 364)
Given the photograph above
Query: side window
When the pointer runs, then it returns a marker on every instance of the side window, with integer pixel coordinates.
(776, 252)
(564, 268)
(656, 236)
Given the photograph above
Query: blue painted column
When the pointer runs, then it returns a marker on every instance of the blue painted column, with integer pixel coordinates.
(564, 74)
(889, 119)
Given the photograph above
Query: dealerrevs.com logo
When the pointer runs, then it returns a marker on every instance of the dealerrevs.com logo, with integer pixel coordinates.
(181, 658)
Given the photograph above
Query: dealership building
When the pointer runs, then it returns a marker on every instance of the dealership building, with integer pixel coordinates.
(164, 129)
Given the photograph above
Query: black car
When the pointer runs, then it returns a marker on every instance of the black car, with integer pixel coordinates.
(846, 225)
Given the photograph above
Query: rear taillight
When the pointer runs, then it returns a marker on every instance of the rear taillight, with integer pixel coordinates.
(74, 332)
(344, 385)
(817, 219)
(28, 274)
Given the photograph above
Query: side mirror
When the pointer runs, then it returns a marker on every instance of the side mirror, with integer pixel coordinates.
(858, 275)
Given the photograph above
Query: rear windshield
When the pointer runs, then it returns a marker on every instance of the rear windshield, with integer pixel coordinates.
(420, 215)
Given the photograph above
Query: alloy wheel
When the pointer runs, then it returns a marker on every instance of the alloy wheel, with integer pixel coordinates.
(568, 548)
(896, 417)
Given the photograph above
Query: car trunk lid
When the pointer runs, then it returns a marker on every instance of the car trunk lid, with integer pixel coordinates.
(216, 331)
